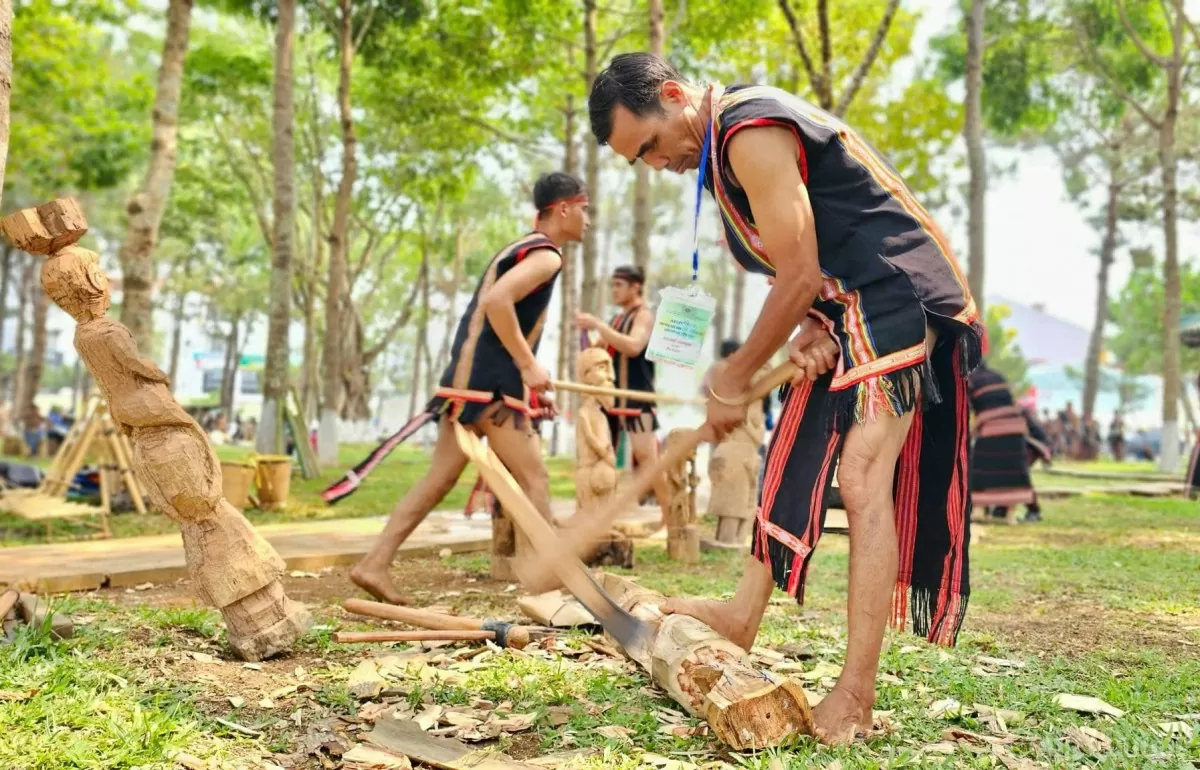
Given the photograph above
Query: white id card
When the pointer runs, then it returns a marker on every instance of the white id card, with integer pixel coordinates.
(681, 322)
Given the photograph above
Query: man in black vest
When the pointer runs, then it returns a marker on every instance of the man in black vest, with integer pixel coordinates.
(626, 339)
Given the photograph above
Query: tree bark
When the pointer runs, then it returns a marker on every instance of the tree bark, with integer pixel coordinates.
(589, 295)
(739, 301)
(229, 368)
(6, 14)
(566, 280)
(336, 326)
(26, 264)
(1169, 459)
(276, 370)
(976, 159)
(176, 341)
(1108, 248)
(643, 195)
(35, 362)
(145, 208)
(6, 253)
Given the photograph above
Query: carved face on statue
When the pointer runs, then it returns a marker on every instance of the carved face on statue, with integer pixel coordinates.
(74, 280)
(595, 368)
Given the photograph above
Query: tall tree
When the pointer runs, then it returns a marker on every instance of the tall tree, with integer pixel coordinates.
(976, 158)
(643, 200)
(6, 68)
(589, 301)
(145, 208)
(276, 379)
(1164, 39)
(822, 76)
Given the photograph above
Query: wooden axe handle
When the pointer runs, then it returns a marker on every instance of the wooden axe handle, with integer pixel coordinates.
(636, 395)
(351, 637)
(411, 616)
(579, 539)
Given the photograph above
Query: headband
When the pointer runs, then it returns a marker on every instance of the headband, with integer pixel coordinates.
(581, 198)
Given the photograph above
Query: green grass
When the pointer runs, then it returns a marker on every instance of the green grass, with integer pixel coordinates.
(378, 493)
(1102, 599)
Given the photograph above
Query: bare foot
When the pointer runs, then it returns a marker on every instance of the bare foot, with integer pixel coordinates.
(842, 716)
(377, 582)
(721, 617)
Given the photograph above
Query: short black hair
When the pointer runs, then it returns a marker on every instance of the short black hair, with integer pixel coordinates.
(632, 80)
(554, 187)
(631, 273)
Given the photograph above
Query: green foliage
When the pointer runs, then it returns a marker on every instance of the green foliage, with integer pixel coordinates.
(1022, 57)
(79, 102)
(1137, 317)
(1004, 353)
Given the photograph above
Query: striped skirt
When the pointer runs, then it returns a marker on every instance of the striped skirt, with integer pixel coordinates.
(1000, 457)
(930, 492)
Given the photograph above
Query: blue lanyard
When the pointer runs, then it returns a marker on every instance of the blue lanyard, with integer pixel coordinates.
(699, 198)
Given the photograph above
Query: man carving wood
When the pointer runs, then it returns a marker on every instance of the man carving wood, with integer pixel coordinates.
(881, 323)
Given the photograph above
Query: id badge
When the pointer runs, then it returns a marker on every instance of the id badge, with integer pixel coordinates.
(681, 323)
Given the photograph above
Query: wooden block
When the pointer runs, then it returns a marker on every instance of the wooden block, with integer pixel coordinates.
(709, 545)
(556, 609)
(47, 228)
(406, 738)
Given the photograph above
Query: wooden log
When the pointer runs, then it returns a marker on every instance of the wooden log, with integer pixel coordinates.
(357, 637)
(711, 677)
(8, 600)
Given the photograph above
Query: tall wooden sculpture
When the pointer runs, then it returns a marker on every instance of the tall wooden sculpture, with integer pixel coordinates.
(733, 471)
(231, 566)
(595, 458)
(683, 535)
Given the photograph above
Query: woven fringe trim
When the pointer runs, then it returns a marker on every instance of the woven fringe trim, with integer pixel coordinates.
(894, 393)
(787, 566)
(499, 416)
(920, 604)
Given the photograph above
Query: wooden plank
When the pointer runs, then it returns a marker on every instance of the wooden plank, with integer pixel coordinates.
(556, 609)
(406, 738)
(310, 468)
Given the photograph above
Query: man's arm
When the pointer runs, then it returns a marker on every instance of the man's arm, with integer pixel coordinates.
(499, 303)
(635, 342)
(765, 161)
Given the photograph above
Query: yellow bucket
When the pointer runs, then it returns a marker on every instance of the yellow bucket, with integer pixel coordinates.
(236, 481)
(273, 479)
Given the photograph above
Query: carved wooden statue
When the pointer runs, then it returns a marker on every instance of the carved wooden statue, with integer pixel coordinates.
(733, 472)
(683, 536)
(231, 566)
(595, 458)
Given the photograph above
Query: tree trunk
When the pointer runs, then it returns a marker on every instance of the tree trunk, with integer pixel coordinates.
(79, 384)
(720, 316)
(176, 341)
(643, 195)
(229, 368)
(1169, 459)
(6, 15)
(976, 160)
(310, 373)
(145, 208)
(589, 295)
(414, 393)
(276, 370)
(566, 282)
(6, 252)
(1108, 248)
(35, 362)
(739, 301)
(26, 264)
(336, 325)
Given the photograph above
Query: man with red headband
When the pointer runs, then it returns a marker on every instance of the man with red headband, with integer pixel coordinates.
(492, 374)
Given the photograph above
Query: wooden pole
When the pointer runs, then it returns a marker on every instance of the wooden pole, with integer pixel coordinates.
(636, 395)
